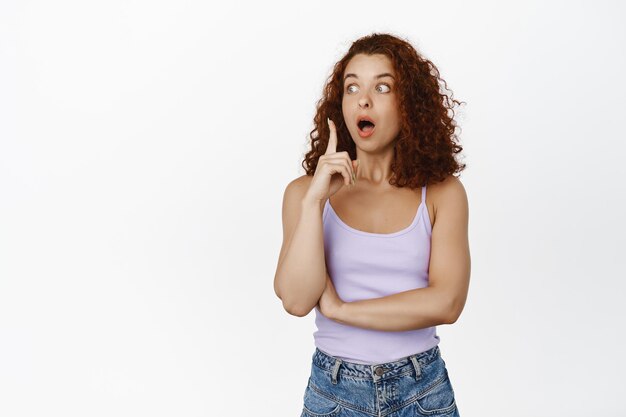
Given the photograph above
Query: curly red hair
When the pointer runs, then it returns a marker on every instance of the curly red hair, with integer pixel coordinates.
(425, 147)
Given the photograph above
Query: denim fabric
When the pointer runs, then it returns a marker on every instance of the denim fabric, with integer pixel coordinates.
(414, 386)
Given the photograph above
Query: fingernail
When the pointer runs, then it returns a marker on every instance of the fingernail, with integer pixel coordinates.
(328, 120)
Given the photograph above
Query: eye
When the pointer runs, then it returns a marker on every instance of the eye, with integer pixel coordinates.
(385, 85)
(385, 88)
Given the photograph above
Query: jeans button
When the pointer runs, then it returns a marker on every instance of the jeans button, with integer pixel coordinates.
(379, 371)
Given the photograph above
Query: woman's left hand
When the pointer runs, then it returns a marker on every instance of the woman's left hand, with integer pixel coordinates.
(329, 302)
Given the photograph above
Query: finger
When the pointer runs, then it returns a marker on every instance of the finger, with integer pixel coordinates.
(340, 168)
(350, 166)
(355, 166)
(344, 158)
(332, 139)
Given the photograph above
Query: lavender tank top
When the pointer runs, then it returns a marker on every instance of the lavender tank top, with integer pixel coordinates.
(367, 265)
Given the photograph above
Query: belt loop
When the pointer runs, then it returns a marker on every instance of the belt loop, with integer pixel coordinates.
(416, 365)
(336, 370)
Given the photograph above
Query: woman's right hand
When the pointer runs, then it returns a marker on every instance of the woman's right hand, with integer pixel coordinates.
(334, 170)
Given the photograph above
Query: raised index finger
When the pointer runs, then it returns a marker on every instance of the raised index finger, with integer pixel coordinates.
(332, 139)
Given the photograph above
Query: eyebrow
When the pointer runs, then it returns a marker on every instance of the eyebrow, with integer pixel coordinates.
(385, 74)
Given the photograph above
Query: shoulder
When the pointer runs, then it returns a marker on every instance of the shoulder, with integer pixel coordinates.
(298, 185)
(451, 185)
(295, 191)
(448, 194)
(301, 180)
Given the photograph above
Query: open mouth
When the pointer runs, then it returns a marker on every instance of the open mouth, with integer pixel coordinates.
(365, 126)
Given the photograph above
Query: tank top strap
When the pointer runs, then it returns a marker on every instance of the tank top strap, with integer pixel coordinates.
(423, 194)
(325, 210)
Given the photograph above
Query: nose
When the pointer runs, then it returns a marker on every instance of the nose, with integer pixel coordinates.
(364, 102)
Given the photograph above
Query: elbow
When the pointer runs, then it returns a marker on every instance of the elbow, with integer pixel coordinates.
(452, 312)
(297, 304)
(450, 319)
(296, 310)
(293, 307)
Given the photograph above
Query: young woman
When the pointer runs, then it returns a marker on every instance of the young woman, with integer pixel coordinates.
(381, 263)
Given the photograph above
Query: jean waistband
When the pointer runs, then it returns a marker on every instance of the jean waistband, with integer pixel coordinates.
(411, 363)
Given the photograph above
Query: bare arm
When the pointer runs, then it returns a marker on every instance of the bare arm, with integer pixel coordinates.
(407, 310)
(301, 271)
(449, 272)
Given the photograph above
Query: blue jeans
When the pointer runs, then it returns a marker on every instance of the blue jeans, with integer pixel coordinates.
(414, 386)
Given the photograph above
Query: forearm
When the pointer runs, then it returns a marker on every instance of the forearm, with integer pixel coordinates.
(408, 310)
(301, 275)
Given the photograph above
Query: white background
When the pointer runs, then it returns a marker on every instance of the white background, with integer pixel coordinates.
(144, 150)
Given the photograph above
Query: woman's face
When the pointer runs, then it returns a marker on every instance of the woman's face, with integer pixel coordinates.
(369, 90)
